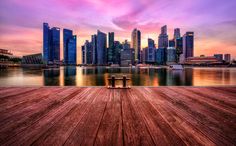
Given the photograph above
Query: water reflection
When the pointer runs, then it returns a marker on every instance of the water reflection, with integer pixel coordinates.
(51, 77)
(69, 76)
(98, 76)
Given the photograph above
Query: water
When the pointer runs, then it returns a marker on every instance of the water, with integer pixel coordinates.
(98, 76)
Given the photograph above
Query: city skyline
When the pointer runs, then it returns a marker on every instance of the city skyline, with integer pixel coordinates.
(213, 28)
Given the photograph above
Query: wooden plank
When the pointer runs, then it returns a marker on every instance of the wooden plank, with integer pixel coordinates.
(100, 116)
(110, 130)
(60, 131)
(86, 131)
(135, 131)
(39, 113)
(184, 129)
(153, 119)
(194, 114)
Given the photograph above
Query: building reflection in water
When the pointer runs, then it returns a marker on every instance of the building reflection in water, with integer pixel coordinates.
(51, 77)
(98, 76)
(70, 76)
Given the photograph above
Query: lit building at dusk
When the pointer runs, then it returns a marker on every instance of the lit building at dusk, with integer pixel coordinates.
(163, 38)
(188, 46)
(161, 56)
(111, 50)
(69, 46)
(51, 44)
(171, 55)
(136, 44)
(101, 48)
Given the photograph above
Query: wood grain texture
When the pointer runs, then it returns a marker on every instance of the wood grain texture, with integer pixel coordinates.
(101, 116)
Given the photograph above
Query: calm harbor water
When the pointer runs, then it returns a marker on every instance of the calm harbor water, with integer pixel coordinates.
(98, 76)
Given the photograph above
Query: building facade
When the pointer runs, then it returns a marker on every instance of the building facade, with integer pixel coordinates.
(149, 52)
(117, 52)
(51, 44)
(69, 47)
(177, 33)
(161, 56)
(163, 38)
(94, 48)
(188, 46)
(111, 50)
(171, 55)
(101, 48)
(32, 59)
(136, 44)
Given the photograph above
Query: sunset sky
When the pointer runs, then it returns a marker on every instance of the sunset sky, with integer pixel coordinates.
(213, 22)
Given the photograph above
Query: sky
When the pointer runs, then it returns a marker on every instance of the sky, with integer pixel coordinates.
(213, 22)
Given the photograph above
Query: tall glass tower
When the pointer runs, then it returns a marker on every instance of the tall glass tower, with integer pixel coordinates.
(51, 43)
(136, 44)
(101, 48)
(69, 46)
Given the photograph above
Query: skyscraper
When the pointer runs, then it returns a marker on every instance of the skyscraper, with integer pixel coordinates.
(94, 48)
(83, 54)
(171, 55)
(163, 38)
(111, 50)
(188, 46)
(101, 48)
(51, 43)
(160, 56)
(136, 44)
(88, 52)
(55, 44)
(46, 43)
(69, 46)
(72, 51)
(116, 52)
(176, 33)
(150, 51)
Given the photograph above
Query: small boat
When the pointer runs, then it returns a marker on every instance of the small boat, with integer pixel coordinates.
(176, 67)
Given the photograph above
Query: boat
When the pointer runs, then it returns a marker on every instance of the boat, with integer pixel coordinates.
(176, 67)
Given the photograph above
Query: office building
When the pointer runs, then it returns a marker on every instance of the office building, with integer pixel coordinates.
(227, 58)
(69, 46)
(111, 50)
(136, 44)
(172, 43)
(161, 56)
(171, 55)
(163, 38)
(101, 48)
(83, 54)
(88, 52)
(149, 52)
(116, 52)
(188, 46)
(94, 48)
(51, 44)
(127, 55)
(219, 57)
(176, 33)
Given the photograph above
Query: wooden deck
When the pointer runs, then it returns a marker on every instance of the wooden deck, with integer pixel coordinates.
(100, 116)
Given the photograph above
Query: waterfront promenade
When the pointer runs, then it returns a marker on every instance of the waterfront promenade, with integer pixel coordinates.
(100, 116)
